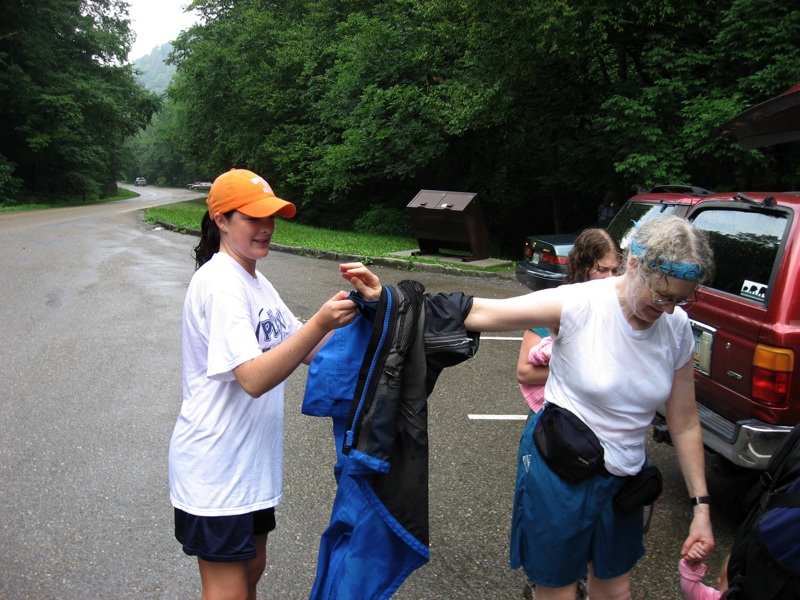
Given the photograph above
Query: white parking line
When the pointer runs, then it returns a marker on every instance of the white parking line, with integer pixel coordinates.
(514, 339)
(497, 417)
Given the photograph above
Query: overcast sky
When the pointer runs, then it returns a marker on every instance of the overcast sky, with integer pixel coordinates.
(156, 22)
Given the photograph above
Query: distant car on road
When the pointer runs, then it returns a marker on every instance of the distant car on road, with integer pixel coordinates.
(200, 186)
(140, 181)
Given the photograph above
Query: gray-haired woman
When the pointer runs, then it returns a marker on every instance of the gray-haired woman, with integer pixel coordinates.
(623, 347)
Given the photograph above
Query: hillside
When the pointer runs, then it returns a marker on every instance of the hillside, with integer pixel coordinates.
(155, 73)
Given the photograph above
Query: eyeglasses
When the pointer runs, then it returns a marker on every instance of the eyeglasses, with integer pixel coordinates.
(662, 301)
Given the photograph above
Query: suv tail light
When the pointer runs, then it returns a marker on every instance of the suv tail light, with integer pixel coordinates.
(772, 375)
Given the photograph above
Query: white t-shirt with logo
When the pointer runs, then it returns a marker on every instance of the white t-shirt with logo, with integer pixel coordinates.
(226, 452)
(611, 375)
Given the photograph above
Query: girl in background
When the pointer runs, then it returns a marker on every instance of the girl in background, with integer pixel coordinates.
(595, 255)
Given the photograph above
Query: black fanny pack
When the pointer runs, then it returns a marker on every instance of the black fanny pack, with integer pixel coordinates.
(640, 489)
(569, 447)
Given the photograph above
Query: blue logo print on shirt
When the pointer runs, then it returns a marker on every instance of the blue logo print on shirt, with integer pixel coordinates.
(271, 330)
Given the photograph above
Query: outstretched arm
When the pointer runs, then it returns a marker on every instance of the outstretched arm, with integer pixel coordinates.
(537, 309)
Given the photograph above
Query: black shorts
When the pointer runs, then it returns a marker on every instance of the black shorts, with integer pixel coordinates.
(222, 539)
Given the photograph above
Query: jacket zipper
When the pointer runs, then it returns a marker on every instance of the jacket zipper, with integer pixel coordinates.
(348, 439)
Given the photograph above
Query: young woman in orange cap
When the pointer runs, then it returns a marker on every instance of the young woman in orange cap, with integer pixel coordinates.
(240, 342)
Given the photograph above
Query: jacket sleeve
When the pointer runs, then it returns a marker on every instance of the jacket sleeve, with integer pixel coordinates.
(447, 341)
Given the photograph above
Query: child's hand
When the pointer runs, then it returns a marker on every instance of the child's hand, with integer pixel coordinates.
(700, 541)
(362, 279)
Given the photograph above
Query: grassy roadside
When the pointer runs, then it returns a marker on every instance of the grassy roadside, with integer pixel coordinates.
(186, 216)
(24, 204)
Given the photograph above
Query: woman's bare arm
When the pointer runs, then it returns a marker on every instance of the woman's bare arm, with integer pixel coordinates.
(537, 309)
(687, 438)
(528, 373)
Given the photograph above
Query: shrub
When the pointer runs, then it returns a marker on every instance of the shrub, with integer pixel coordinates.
(383, 220)
(9, 185)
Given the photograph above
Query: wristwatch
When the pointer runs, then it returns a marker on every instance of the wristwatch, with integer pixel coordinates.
(700, 500)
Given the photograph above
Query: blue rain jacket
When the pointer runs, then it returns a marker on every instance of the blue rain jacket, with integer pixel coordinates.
(378, 533)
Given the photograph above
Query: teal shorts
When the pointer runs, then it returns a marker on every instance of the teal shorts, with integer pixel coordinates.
(558, 528)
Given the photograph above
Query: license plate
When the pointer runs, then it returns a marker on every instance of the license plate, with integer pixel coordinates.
(703, 346)
(535, 258)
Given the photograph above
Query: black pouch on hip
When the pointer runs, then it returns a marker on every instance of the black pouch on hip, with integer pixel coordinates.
(568, 446)
(640, 489)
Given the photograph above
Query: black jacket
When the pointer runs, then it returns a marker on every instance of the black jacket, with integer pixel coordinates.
(384, 483)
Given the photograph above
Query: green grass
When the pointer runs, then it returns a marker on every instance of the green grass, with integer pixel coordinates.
(181, 215)
(31, 203)
(189, 214)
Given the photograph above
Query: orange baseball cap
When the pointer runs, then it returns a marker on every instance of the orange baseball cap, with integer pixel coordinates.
(243, 190)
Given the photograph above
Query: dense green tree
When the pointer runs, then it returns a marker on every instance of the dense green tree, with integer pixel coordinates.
(540, 106)
(696, 67)
(69, 100)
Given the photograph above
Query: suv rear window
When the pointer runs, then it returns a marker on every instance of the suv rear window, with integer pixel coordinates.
(746, 245)
(636, 213)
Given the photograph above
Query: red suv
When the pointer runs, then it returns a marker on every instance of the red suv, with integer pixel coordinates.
(747, 320)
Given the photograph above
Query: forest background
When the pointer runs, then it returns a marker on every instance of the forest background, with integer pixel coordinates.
(349, 107)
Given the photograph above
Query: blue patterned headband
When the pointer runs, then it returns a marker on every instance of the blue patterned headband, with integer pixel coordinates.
(681, 270)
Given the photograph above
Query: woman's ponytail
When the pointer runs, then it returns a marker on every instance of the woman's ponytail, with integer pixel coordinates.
(209, 241)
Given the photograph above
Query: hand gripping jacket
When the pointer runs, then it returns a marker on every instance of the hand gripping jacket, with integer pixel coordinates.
(379, 532)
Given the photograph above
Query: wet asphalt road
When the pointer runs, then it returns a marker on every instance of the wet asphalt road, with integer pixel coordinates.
(90, 299)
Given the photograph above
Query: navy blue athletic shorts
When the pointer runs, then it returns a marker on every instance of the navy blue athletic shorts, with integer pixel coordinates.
(222, 539)
(558, 528)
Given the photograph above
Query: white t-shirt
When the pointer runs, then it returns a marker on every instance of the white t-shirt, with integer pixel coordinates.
(612, 376)
(226, 452)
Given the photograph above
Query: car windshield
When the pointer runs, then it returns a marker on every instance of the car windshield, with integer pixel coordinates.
(631, 216)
